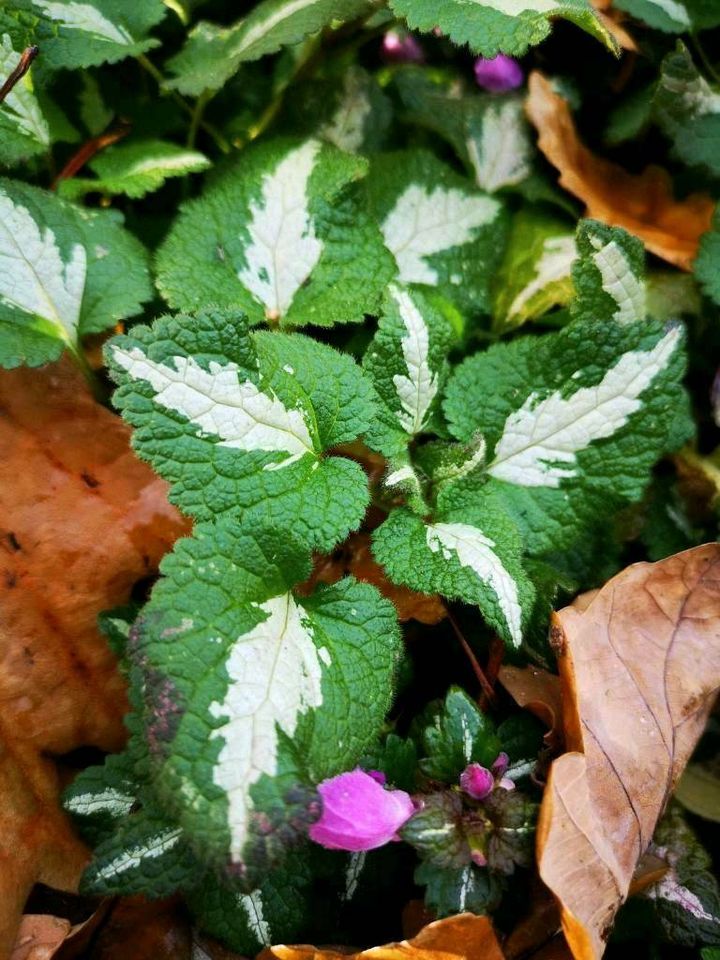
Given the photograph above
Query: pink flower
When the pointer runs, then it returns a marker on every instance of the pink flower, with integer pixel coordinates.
(359, 813)
(477, 781)
(401, 47)
(499, 74)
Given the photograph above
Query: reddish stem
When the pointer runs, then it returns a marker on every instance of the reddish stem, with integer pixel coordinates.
(495, 659)
(485, 685)
(26, 59)
(88, 150)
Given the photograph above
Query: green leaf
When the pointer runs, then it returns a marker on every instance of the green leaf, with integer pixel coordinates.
(687, 110)
(348, 110)
(90, 32)
(707, 262)
(213, 54)
(459, 734)
(251, 694)
(282, 234)
(629, 118)
(458, 889)
(699, 790)
(609, 275)
(435, 831)
(670, 16)
(488, 132)
(441, 231)
(407, 363)
(535, 275)
(145, 855)
(135, 169)
(239, 422)
(573, 420)
(500, 26)
(64, 272)
(24, 130)
(470, 551)
(101, 798)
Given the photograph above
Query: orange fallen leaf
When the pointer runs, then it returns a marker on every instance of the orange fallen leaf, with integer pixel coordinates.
(81, 521)
(539, 692)
(641, 203)
(140, 929)
(465, 935)
(640, 667)
(39, 937)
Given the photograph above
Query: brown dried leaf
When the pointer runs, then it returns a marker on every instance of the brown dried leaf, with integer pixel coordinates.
(539, 692)
(465, 935)
(81, 521)
(613, 20)
(39, 937)
(140, 929)
(641, 203)
(640, 668)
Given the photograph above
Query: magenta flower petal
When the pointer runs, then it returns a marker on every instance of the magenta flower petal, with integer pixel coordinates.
(378, 776)
(400, 47)
(499, 74)
(477, 781)
(359, 813)
(502, 762)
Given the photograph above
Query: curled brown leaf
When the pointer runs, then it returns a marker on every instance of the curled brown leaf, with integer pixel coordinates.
(640, 667)
(641, 203)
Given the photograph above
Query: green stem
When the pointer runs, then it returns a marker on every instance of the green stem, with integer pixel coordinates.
(196, 120)
(220, 142)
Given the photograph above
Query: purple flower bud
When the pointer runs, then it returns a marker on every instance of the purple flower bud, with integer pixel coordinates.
(499, 74)
(501, 764)
(401, 47)
(359, 813)
(506, 783)
(478, 858)
(477, 781)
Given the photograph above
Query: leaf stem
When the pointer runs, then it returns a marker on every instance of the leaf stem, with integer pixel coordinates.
(24, 64)
(220, 142)
(485, 685)
(88, 150)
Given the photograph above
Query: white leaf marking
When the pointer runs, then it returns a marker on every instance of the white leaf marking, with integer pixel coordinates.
(619, 281)
(418, 389)
(346, 127)
(187, 160)
(261, 29)
(33, 276)
(553, 265)
(475, 551)
(21, 105)
(545, 433)
(426, 221)
(133, 857)
(670, 888)
(402, 475)
(242, 415)
(111, 801)
(252, 905)
(283, 248)
(84, 17)
(352, 874)
(500, 154)
(275, 675)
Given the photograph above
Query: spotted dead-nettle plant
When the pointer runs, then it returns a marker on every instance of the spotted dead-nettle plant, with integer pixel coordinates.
(318, 346)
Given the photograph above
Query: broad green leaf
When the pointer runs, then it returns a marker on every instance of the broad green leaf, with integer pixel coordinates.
(64, 272)
(407, 362)
(535, 274)
(469, 551)
(24, 131)
(252, 694)
(101, 798)
(609, 275)
(460, 733)
(490, 27)
(573, 420)
(631, 115)
(441, 231)
(135, 169)
(240, 422)
(699, 790)
(90, 32)
(459, 889)
(704, 14)
(348, 110)
(488, 132)
(213, 54)
(282, 234)
(671, 16)
(707, 262)
(687, 110)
